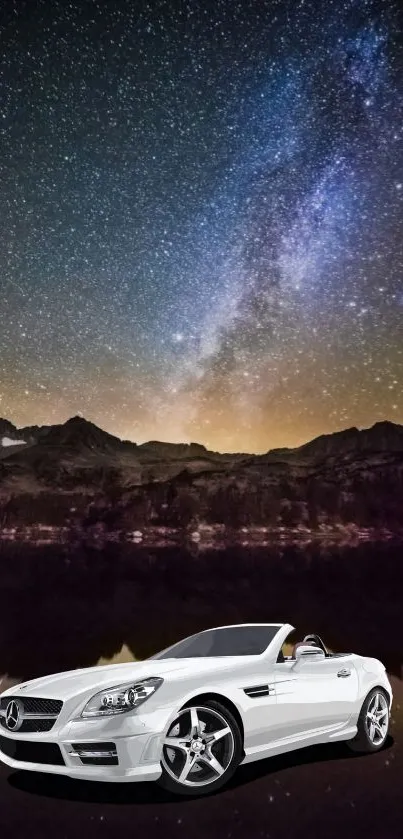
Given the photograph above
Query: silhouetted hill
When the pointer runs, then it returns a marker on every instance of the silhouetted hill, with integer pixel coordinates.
(80, 435)
(160, 451)
(382, 437)
(7, 429)
(77, 474)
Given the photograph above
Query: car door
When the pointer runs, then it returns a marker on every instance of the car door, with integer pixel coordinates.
(314, 694)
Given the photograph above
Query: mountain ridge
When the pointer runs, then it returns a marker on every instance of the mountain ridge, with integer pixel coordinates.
(78, 477)
(77, 428)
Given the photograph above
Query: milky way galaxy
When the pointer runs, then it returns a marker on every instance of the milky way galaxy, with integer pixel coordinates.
(201, 217)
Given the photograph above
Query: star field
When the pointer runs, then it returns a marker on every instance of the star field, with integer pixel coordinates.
(201, 217)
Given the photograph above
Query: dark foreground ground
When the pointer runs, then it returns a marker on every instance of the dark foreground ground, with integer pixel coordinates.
(317, 792)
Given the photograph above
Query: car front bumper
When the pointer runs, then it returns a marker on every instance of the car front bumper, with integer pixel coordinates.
(136, 743)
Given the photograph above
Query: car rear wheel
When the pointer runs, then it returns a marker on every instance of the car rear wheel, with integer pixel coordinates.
(373, 723)
(201, 749)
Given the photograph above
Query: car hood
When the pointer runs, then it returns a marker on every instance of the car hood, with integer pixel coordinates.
(74, 682)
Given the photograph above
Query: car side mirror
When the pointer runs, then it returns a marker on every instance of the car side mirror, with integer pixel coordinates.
(306, 653)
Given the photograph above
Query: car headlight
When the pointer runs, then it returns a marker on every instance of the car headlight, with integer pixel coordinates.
(121, 699)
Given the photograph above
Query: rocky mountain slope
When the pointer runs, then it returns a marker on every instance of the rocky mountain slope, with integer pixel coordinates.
(78, 475)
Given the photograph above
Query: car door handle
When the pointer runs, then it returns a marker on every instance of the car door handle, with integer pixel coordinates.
(344, 672)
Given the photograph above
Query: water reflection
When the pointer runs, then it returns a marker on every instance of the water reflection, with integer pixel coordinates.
(63, 608)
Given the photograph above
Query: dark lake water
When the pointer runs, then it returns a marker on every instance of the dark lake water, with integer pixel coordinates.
(62, 608)
(65, 607)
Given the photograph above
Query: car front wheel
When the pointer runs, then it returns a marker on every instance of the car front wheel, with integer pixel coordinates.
(373, 723)
(201, 749)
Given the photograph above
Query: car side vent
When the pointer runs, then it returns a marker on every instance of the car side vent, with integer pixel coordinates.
(257, 690)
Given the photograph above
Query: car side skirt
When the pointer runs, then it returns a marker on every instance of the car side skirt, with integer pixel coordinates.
(289, 744)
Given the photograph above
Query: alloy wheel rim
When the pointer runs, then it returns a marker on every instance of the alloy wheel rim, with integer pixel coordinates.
(198, 747)
(377, 719)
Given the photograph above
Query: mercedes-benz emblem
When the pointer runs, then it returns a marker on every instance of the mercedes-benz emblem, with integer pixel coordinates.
(14, 718)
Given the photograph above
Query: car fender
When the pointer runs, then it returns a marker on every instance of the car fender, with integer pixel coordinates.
(218, 690)
(371, 674)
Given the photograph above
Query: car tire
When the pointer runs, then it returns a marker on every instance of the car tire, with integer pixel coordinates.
(226, 751)
(371, 736)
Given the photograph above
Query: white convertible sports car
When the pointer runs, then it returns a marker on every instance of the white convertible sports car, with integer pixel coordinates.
(191, 714)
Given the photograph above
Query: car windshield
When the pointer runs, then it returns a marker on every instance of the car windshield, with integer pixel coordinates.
(226, 641)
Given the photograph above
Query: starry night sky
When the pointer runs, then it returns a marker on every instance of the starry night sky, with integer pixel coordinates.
(201, 217)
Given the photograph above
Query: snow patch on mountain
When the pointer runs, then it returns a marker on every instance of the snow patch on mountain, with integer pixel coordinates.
(7, 441)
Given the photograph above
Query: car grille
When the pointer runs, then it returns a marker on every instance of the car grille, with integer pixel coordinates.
(30, 752)
(31, 726)
(37, 714)
(34, 705)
